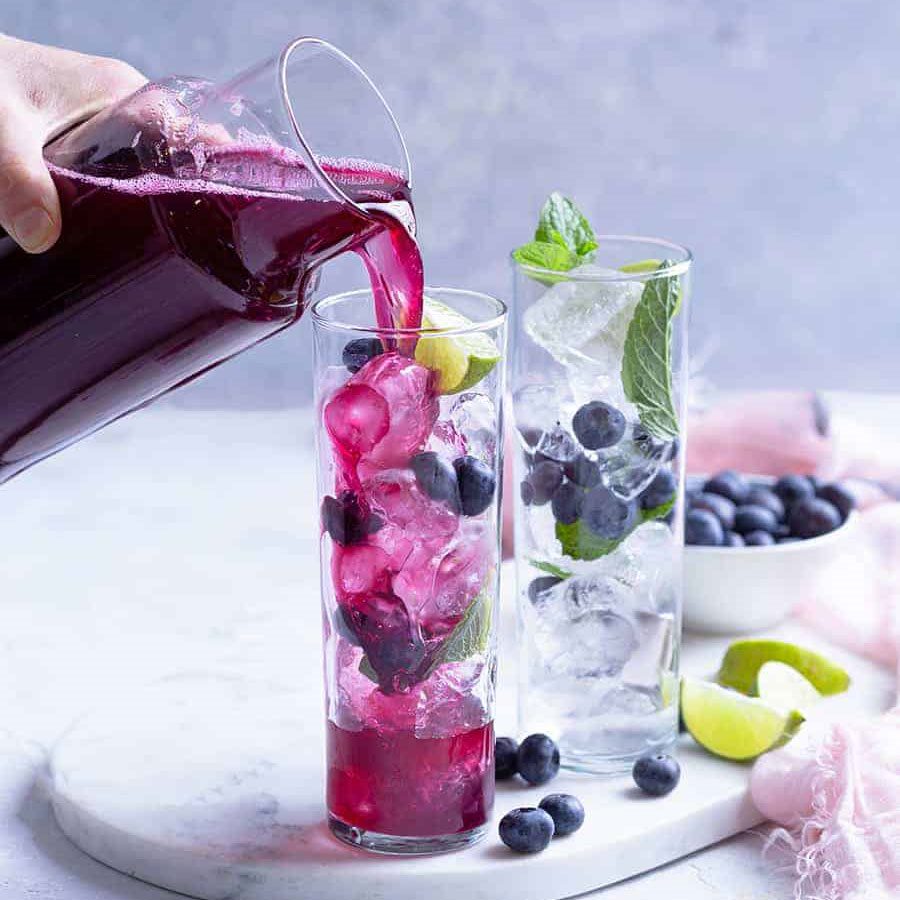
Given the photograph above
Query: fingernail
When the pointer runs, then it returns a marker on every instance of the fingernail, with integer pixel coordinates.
(33, 229)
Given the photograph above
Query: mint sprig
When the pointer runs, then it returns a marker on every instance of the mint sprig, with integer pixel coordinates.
(561, 222)
(647, 358)
(563, 239)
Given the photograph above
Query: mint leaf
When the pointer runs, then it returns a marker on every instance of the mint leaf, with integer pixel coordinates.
(562, 222)
(579, 542)
(550, 569)
(546, 255)
(472, 631)
(365, 668)
(647, 358)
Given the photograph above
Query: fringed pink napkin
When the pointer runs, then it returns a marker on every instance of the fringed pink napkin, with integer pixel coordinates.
(834, 789)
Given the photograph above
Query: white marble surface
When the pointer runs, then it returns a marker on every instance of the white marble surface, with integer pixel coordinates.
(173, 545)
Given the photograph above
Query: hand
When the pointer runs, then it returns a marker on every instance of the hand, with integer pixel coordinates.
(45, 90)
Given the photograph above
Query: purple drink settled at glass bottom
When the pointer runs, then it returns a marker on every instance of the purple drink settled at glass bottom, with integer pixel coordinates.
(158, 277)
(410, 583)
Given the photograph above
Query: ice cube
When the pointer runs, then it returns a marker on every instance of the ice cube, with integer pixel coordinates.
(385, 412)
(474, 419)
(356, 418)
(586, 627)
(455, 698)
(652, 656)
(632, 464)
(559, 445)
(538, 407)
(395, 495)
(574, 320)
(441, 578)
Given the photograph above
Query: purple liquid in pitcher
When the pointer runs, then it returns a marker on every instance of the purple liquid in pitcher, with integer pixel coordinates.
(156, 279)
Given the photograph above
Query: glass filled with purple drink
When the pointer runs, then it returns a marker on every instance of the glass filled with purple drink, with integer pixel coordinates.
(409, 463)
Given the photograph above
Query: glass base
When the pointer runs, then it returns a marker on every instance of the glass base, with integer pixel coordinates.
(596, 763)
(397, 845)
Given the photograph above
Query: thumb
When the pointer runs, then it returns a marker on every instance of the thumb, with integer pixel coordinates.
(29, 205)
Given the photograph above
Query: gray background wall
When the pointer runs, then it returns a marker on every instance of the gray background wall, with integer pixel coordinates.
(764, 135)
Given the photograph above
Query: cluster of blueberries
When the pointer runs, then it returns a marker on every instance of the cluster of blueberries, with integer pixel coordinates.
(728, 510)
(529, 829)
(562, 474)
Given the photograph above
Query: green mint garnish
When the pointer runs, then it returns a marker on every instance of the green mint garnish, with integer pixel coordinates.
(561, 222)
(647, 359)
(545, 255)
(551, 569)
(563, 239)
(579, 542)
(472, 631)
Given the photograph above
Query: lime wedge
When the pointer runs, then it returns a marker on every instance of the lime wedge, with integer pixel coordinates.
(461, 360)
(784, 687)
(637, 268)
(744, 659)
(731, 725)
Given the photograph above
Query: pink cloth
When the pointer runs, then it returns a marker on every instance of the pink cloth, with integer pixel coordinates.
(835, 788)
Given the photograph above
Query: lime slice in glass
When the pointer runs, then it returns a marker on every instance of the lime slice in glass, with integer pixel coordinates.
(461, 360)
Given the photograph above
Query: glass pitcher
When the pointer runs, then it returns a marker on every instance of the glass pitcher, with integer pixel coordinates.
(194, 219)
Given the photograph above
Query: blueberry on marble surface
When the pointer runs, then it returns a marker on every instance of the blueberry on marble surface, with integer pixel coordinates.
(526, 829)
(567, 813)
(656, 774)
(538, 759)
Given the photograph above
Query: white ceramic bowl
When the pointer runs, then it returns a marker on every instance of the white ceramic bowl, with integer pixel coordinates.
(737, 590)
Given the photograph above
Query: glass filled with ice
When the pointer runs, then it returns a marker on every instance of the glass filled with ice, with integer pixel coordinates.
(409, 464)
(599, 371)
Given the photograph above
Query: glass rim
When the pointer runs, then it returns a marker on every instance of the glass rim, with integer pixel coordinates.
(312, 160)
(501, 310)
(675, 267)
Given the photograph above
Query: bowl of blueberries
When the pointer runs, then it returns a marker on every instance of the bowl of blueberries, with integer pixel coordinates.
(754, 546)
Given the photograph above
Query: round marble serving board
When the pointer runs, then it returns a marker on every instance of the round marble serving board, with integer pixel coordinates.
(211, 785)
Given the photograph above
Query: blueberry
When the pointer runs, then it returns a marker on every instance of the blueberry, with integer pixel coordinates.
(728, 484)
(567, 503)
(763, 496)
(345, 521)
(598, 425)
(732, 539)
(566, 811)
(758, 539)
(506, 762)
(812, 517)
(538, 759)
(791, 488)
(607, 515)
(358, 352)
(530, 435)
(436, 477)
(545, 478)
(754, 518)
(526, 491)
(526, 829)
(477, 484)
(660, 491)
(583, 471)
(839, 497)
(721, 507)
(789, 540)
(703, 529)
(540, 586)
(656, 774)
(557, 445)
